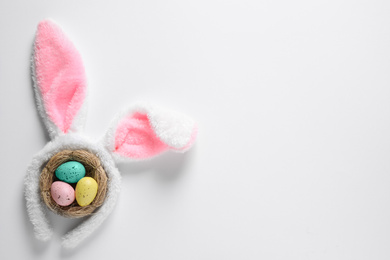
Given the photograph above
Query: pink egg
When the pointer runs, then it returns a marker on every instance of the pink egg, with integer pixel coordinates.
(62, 193)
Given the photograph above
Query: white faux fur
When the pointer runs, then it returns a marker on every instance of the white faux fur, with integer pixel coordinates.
(173, 128)
(35, 206)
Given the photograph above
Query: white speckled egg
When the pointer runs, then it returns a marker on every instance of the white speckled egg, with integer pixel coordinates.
(62, 193)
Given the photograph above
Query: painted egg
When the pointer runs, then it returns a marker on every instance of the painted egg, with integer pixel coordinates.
(86, 190)
(62, 193)
(70, 172)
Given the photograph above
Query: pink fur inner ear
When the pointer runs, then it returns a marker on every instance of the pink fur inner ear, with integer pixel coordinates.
(135, 138)
(60, 75)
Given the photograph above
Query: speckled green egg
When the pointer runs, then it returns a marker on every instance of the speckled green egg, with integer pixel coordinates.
(70, 172)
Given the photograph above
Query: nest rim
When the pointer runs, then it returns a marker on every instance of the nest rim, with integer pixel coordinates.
(93, 169)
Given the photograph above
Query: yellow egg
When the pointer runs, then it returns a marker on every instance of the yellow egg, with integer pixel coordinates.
(86, 190)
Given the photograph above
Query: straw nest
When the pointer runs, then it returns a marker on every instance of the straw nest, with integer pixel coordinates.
(92, 168)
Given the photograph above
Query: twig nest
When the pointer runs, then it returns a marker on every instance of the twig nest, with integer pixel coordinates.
(93, 169)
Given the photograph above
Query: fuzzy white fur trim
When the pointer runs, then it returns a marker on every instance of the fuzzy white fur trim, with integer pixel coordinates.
(173, 128)
(36, 208)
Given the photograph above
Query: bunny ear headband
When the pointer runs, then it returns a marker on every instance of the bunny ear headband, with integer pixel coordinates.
(140, 132)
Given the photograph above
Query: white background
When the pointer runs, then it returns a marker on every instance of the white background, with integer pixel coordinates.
(293, 104)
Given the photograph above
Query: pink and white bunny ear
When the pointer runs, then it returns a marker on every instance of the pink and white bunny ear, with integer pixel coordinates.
(60, 81)
(143, 132)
